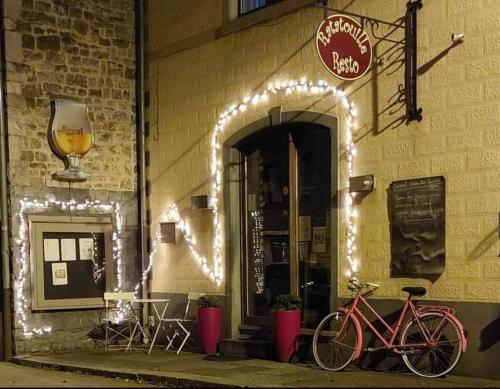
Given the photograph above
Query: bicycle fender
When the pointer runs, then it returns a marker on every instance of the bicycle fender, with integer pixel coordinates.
(463, 331)
(359, 332)
(459, 325)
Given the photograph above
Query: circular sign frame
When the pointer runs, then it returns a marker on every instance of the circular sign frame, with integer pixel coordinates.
(360, 33)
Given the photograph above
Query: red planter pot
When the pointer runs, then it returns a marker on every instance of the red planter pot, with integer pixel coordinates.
(209, 328)
(286, 327)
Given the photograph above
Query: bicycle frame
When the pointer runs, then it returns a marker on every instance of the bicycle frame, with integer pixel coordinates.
(389, 342)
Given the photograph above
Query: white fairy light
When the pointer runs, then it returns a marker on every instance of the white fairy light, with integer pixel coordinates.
(30, 206)
(172, 213)
(258, 249)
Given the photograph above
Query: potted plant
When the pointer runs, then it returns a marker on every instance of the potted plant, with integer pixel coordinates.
(286, 312)
(209, 323)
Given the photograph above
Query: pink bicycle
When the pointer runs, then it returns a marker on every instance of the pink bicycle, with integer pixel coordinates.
(430, 342)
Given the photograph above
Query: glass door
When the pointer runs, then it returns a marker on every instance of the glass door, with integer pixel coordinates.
(266, 200)
(286, 200)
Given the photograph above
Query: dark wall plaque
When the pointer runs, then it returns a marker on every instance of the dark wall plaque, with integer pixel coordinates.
(417, 217)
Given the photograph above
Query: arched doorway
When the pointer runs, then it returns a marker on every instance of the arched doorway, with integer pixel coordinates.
(287, 185)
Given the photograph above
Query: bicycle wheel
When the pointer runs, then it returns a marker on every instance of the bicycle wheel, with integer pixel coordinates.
(334, 342)
(438, 357)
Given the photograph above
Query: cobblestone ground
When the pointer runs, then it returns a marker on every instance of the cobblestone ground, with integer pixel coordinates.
(14, 376)
(191, 369)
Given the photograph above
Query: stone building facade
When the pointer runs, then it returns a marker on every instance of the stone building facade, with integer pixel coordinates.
(203, 61)
(84, 51)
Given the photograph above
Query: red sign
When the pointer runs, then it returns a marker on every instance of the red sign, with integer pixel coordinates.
(344, 47)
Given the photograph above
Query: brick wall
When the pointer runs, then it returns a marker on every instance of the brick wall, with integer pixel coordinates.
(81, 50)
(458, 136)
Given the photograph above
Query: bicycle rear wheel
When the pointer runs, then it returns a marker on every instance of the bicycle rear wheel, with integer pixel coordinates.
(334, 342)
(438, 357)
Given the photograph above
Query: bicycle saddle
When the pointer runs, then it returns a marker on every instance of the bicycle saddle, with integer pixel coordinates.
(415, 290)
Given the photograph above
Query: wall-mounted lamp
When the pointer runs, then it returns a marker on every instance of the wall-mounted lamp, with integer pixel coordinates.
(457, 37)
(362, 183)
(201, 202)
(168, 233)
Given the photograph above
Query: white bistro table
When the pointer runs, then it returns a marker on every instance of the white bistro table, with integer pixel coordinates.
(159, 314)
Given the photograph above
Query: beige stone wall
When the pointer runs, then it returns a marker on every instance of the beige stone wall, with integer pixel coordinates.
(458, 136)
(81, 50)
(181, 19)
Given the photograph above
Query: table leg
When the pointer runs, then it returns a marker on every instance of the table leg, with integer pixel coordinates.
(160, 319)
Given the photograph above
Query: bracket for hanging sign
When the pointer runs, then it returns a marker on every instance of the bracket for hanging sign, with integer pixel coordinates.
(409, 25)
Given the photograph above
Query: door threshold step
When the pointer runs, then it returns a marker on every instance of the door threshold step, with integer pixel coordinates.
(250, 347)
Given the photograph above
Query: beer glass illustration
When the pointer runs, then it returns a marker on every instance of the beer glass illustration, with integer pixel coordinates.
(71, 137)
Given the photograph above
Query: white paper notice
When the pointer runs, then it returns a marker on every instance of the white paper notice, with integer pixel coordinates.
(304, 228)
(51, 250)
(59, 273)
(68, 249)
(319, 239)
(252, 202)
(86, 248)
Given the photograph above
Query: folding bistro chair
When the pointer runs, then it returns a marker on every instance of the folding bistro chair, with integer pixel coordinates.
(114, 333)
(179, 325)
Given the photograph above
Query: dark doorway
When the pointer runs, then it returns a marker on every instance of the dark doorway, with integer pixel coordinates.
(286, 220)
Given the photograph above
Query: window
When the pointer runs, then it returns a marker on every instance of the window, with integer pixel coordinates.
(246, 6)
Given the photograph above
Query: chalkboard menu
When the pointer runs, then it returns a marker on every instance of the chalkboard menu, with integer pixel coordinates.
(417, 218)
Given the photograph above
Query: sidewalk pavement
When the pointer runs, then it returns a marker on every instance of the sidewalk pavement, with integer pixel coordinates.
(198, 370)
(14, 376)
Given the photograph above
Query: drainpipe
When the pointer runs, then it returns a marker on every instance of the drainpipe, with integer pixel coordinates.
(4, 209)
(141, 155)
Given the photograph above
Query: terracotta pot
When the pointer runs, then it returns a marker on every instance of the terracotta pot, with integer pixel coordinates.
(209, 328)
(286, 327)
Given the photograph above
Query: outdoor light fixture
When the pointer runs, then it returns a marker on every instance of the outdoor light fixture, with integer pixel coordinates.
(201, 202)
(362, 183)
(168, 233)
(457, 37)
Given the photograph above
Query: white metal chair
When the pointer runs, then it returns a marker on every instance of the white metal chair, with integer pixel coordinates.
(115, 333)
(180, 325)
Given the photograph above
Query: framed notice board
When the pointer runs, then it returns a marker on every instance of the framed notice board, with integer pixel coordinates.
(417, 226)
(70, 261)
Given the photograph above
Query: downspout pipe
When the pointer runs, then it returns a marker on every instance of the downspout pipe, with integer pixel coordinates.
(140, 141)
(4, 209)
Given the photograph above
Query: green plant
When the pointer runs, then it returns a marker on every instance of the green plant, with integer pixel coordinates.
(287, 302)
(206, 301)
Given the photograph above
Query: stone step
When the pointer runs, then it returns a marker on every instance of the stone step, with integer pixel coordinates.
(247, 347)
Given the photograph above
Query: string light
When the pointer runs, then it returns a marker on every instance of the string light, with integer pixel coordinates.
(258, 249)
(97, 272)
(172, 214)
(286, 87)
(30, 206)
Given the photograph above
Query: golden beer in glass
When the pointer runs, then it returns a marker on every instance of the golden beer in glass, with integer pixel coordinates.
(72, 137)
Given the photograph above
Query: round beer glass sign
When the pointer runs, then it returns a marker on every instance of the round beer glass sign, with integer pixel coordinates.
(344, 47)
(71, 137)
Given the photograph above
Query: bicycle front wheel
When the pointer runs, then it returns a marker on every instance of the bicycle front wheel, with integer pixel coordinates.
(433, 358)
(335, 341)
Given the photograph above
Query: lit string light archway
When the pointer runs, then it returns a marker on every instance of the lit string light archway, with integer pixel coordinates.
(172, 213)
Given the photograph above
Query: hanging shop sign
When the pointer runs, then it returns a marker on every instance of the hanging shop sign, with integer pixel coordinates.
(70, 136)
(344, 47)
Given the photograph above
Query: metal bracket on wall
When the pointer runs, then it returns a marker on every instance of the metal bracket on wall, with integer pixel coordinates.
(409, 25)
